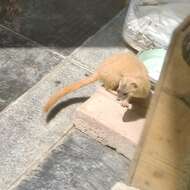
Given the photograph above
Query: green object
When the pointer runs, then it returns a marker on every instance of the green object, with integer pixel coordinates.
(153, 60)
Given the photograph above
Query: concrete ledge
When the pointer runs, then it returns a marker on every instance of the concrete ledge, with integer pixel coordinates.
(101, 117)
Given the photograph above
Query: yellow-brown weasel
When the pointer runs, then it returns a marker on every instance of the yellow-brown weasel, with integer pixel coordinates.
(122, 72)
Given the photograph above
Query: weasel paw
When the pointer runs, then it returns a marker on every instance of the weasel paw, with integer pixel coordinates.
(125, 104)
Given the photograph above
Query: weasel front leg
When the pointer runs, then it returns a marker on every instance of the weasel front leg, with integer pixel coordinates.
(126, 102)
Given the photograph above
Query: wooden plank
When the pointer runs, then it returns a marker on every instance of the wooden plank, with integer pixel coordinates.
(166, 137)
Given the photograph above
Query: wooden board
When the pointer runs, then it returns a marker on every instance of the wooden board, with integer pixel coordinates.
(166, 137)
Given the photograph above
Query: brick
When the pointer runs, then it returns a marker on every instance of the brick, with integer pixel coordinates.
(101, 117)
(122, 186)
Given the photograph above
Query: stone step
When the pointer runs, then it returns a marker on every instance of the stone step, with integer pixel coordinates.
(25, 137)
(103, 118)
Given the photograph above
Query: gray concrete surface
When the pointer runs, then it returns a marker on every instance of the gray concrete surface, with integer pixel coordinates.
(22, 64)
(24, 137)
(104, 43)
(79, 163)
(63, 25)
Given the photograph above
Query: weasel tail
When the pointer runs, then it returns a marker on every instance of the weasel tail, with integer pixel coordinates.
(68, 89)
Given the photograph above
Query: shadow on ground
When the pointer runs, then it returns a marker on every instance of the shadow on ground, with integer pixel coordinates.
(63, 105)
(139, 109)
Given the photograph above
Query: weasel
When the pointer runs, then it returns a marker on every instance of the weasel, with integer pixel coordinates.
(122, 72)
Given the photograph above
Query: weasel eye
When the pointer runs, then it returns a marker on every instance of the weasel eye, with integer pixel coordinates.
(134, 85)
(125, 94)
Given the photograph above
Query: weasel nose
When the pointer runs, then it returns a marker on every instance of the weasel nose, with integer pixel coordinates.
(125, 94)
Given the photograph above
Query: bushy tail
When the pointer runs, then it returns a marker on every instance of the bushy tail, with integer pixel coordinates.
(68, 89)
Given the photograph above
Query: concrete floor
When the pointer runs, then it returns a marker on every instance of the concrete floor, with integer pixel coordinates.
(79, 163)
(35, 61)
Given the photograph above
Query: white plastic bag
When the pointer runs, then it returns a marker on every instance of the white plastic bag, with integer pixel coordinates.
(150, 23)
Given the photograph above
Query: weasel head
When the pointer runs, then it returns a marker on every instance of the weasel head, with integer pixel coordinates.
(133, 86)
